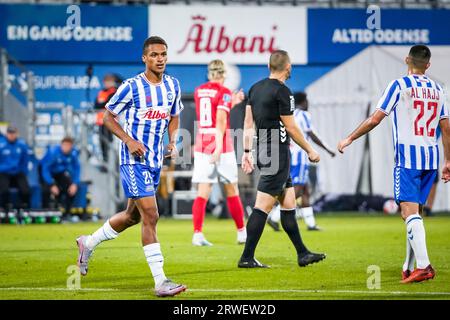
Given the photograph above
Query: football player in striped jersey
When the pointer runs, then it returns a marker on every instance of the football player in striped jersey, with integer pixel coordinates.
(151, 105)
(417, 106)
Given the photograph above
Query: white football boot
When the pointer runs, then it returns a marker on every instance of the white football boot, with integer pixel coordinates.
(242, 236)
(199, 240)
(83, 255)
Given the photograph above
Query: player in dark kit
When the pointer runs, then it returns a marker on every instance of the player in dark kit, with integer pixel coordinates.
(271, 106)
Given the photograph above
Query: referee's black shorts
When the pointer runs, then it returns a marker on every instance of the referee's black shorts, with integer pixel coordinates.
(275, 182)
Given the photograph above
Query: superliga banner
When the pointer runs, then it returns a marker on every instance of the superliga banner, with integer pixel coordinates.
(236, 34)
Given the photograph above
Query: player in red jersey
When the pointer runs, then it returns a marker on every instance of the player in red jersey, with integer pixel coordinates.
(214, 156)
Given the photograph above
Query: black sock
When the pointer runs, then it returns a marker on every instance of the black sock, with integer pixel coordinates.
(255, 228)
(290, 225)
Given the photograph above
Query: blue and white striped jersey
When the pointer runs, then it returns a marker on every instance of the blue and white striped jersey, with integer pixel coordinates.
(147, 109)
(417, 104)
(303, 119)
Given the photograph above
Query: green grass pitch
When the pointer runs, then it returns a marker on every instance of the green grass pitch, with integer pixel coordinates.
(34, 261)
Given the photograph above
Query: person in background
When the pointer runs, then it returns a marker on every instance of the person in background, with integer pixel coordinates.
(300, 166)
(110, 84)
(214, 157)
(13, 168)
(60, 170)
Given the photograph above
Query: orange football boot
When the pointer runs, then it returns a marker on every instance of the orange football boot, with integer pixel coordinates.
(405, 274)
(419, 275)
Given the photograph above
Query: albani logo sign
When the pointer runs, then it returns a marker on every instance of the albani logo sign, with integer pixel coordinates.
(210, 38)
(205, 33)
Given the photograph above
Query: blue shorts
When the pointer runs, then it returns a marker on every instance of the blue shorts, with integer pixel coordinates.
(413, 185)
(139, 180)
(300, 174)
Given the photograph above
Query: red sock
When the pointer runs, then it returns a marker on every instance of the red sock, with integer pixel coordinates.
(236, 210)
(198, 213)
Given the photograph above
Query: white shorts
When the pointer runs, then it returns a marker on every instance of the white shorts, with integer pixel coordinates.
(205, 172)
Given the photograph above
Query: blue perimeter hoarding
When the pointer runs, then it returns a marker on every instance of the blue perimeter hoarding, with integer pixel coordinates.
(46, 33)
(335, 35)
(114, 34)
(110, 38)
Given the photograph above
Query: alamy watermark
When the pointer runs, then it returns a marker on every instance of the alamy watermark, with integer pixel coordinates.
(374, 279)
(269, 153)
(74, 19)
(374, 20)
(74, 279)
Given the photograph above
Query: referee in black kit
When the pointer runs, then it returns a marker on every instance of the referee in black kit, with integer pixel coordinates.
(271, 106)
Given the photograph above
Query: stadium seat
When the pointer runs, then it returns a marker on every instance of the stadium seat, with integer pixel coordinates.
(33, 181)
(80, 200)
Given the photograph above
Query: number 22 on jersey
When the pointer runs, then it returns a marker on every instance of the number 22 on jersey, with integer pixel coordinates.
(425, 117)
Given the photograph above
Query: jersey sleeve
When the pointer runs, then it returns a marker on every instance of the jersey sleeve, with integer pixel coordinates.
(286, 103)
(389, 99)
(225, 100)
(178, 106)
(249, 97)
(308, 123)
(121, 100)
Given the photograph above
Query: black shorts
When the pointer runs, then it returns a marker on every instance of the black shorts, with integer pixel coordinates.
(274, 183)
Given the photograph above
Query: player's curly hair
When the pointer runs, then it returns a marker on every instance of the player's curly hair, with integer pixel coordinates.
(153, 40)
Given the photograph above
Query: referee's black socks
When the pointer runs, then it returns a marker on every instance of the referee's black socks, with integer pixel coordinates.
(255, 228)
(289, 223)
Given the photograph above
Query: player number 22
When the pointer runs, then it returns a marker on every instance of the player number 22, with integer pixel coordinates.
(419, 129)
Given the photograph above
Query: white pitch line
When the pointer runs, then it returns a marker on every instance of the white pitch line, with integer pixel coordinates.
(230, 290)
(318, 291)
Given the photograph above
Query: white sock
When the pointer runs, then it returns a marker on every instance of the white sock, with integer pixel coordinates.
(416, 235)
(274, 214)
(410, 258)
(198, 236)
(308, 216)
(106, 232)
(155, 261)
(298, 213)
(242, 234)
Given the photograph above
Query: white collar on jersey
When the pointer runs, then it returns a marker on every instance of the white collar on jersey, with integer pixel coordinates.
(151, 83)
